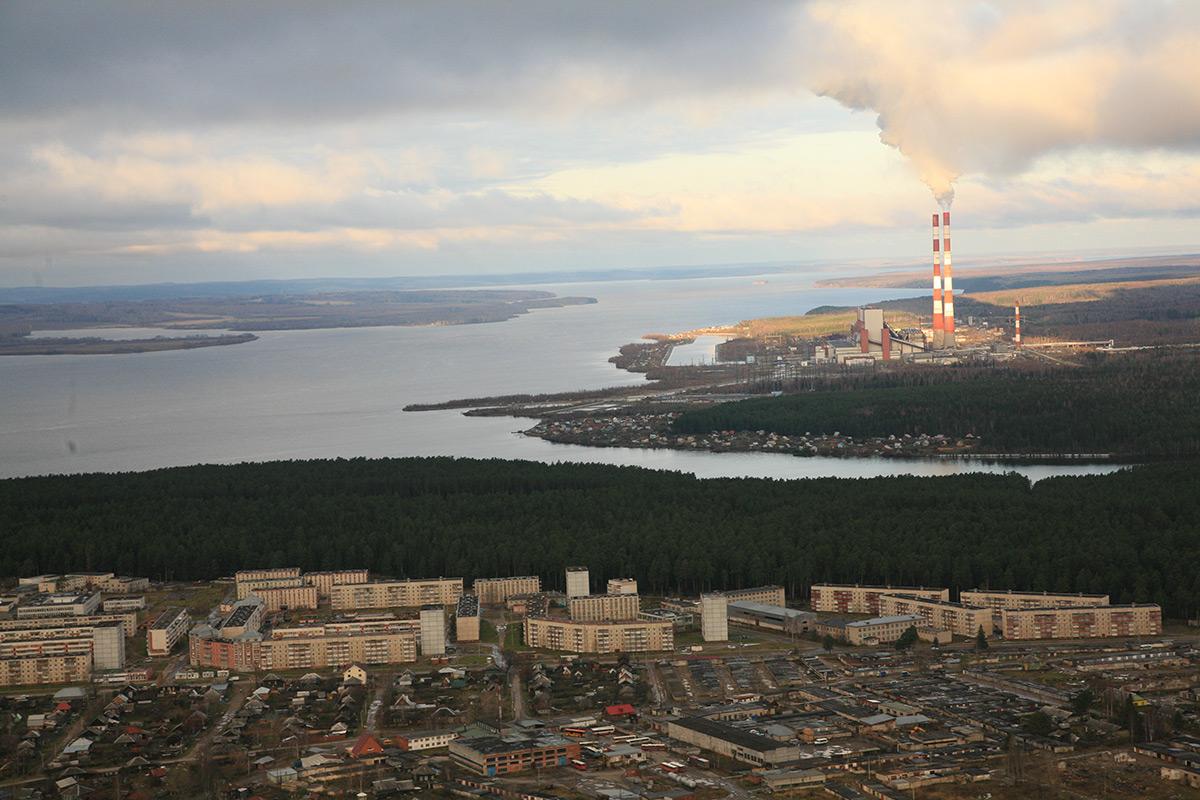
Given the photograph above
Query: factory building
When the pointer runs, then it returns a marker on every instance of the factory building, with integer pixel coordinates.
(466, 619)
(875, 339)
(839, 598)
(433, 631)
(958, 619)
(1139, 619)
(633, 636)
(493, 755)
(281, 598)
(411, 593)
(602, 607)
(735, 743)
(714, 617)
(768, 595)
(578, 582)
(325, 581)
(790, 621)
(1001, 599)
(494, 591)
(877, 630)
(622, 586)
(167, 629)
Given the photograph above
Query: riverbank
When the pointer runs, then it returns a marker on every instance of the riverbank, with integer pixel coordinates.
(96, 346)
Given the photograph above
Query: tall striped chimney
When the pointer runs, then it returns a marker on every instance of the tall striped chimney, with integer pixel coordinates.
(947, 283)
(1017, 323)
(938, 335)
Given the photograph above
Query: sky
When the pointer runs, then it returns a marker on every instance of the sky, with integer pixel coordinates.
(149, 142)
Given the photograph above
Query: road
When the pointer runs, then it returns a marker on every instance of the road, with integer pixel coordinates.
(518, 692)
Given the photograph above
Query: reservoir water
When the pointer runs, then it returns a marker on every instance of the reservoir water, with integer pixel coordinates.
(330, 393)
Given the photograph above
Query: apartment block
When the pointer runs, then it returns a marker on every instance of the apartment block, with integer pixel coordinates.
(287, 597)
(325, 581)
(86, 582)
(494, 591)
(958, 619)
(58, 604)
(604, 607)
(466, 619)
(1141, 619)
(167, 629)
(840, 598)
(126, 619)
(433, 631)
(45, 669)
(410, 593)
(423, 740)
(636, 636)
(265, 574)
(325, 648)
(1002, 599)
(579, 582)
(714, 617)
(767, 595)
(622, 586)
(122, 603)
(102, 644)
(250, 586)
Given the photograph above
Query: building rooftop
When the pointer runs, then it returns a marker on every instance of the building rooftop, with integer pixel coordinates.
(58, 599)
(514, 744)
(1034, 594)
(468, 606)
(768, 610)
(867, 623)
(728, 733)
(164, 620)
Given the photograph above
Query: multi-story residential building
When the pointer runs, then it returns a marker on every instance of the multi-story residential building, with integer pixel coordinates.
(839, 598)
(878, 630)
(123, 602)
(168, 628)
(52, 650)
(280, 598)
(767, 595)
(127, 619)
(492, 755)
(58, 604)
(1139, 619)
(943, 615)
(1001, 599)
(466, 619)
(265, 574)
(411, 593)
(714, 617)
(249, 586)
(493, 591)
(433, 631)
(86, 582)
(325, 581)
(579, 582)
(635, 636)
(622, 586)
(328, 648)
(600, 607)
(234, 643)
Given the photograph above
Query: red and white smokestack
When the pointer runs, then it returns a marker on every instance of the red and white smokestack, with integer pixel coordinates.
(938, 330)
(947, 283)
(1017, 323)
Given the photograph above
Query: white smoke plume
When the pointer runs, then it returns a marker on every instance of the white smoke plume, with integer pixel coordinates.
(989, 87)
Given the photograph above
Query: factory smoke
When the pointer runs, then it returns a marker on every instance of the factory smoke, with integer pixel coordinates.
(991, 87)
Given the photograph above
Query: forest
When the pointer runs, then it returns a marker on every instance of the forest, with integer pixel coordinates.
(1134, 533)
(1132, 406)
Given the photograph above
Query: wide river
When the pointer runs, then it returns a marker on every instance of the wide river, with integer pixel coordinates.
(320, 394)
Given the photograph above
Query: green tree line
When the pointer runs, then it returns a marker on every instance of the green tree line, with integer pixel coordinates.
(1130, 406)
(1134, 534)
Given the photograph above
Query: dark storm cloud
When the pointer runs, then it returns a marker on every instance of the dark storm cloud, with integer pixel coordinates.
(165, 63)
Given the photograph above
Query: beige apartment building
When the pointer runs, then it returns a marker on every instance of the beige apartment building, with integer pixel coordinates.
(58, 604)
(1139, 619)
(494, 591)
(466, 619)
(767, 595)
(396, 594)
(46, 668)
(1002, 599)
(622, 586)
(128, 620)
(635, 636)
(604, 607)
(102, 645)
(942, 615)
(325, 581)
(322, 648)
(842, 598)
(878, 630)
(287, 597)
(250, 586)
(167, 629)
